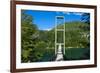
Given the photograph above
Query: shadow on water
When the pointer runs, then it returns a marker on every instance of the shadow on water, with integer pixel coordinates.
(77, 54)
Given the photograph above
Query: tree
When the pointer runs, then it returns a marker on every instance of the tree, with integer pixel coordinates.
(28, 30)
(86, 18)
(75, 34)
(35, 43)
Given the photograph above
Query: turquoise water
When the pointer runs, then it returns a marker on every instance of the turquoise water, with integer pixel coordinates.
(77, 54)
(48, 55)
(70, 54)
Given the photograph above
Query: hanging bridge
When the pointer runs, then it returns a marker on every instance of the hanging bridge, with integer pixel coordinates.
(59, 46)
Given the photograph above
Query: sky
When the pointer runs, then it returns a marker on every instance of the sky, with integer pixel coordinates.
(45, 20)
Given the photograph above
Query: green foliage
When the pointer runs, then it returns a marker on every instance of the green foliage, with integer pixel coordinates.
(36, 45)
(29, 33)
(76, 34)
(60, 38)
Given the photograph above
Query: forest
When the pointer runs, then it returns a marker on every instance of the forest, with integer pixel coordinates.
(39, 45)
